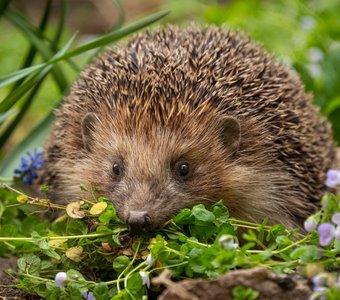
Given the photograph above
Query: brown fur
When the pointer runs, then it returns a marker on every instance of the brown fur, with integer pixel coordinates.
(162, 99)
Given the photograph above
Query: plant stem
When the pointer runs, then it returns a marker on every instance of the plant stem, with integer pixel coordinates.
(64, 237)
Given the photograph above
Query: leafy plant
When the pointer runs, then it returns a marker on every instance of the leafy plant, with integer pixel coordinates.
(88, 251)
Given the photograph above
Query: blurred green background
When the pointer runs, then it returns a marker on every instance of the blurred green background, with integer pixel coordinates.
(303, 34)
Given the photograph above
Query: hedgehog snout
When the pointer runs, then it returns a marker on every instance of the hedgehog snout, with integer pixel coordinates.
(138, 221)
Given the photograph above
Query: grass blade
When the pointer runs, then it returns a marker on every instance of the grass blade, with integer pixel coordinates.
(32, 51)
(102, 41)
(4, 116)
(61, 25)
(32, 36)
(26, 105)
(116, 35)
(121, 13)
(17, 75)
(11, 99)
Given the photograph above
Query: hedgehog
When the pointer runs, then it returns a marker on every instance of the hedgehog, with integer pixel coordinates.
(184, 116)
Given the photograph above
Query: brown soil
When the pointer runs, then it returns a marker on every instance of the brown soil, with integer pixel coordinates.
(8, 291)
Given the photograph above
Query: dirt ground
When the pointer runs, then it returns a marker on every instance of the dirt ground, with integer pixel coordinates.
(7, 283)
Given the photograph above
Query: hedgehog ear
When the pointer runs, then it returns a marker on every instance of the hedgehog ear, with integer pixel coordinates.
(231, 133)
(87, 127)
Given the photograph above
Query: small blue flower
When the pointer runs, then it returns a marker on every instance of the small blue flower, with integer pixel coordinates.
(149, 261)
(326, 233)
(310, 224)
(319, 293)
(319, 280)
(60, 279)
(333, 178)
(145, 278)
(28, 167)
(88, 296)
(336, 218)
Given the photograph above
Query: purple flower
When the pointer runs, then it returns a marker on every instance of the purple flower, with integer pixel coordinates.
(227, 241)
(88, 296)
(319, 293)
(149, 261)
(310, 224)
(326, 233)
(28, 167)
(319, 280)
(336, 218)
(333, 178)
(60, 278)
(145, 278)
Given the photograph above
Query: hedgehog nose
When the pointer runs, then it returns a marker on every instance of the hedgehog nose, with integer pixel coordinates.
(138, 221)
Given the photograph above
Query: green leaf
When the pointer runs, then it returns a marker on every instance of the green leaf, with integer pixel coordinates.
(120, 263)
(221, 213)
(44, 246)
(75, 227)
(134, 283)
(39, 241)
(75, 275)
(202, 215)
(52, 292)
(74, 292)
(101, 291)
(29, 263)
(244, 293)
(184, 217)
(307, 254)
(108, 215)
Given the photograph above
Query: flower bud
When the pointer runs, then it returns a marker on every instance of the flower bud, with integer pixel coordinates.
(310, 224)
(145, 278)
(319, 280)
(60, 278)
(326, 233)
(333, 178)
(149, 261)
(336, 218)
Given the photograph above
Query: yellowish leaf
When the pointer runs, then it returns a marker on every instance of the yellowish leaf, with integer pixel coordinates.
(75, 253)
(98, 208)
(56, 243)
(22, 198)
(73, 210)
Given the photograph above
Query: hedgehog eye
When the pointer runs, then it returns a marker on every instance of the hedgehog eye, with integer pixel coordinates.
(117, 169)
(183, 169)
